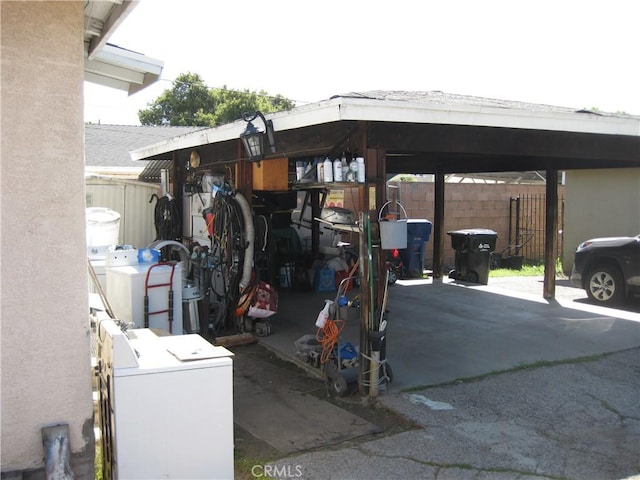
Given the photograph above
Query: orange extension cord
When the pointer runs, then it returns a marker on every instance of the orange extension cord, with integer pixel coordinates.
(328, 336)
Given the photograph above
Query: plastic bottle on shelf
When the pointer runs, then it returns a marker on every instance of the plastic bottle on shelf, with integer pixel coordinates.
(327, 171)
(353, 171)
(337, 170)
(345, 167)
(361, 172)
(320, 171)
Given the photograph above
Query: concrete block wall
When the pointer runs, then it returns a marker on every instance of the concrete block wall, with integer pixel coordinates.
(467, 205)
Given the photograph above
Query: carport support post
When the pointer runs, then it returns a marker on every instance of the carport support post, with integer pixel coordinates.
(551, 235)
(365, 299)
(438, 223)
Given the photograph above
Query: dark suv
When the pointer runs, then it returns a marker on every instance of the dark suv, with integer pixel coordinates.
(608, 268)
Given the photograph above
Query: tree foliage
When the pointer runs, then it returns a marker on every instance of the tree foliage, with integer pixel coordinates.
(191, 103)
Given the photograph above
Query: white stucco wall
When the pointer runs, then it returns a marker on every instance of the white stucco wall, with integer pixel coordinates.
(45, 371)
(599, 203)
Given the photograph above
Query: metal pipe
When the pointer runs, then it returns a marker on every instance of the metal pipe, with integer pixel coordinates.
(517, 224)
(510, 239)
(57, 452)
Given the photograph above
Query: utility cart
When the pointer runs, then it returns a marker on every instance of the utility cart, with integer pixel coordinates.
(339, 360)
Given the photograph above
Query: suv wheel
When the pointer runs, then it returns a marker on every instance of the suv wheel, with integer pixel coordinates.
(604, 285)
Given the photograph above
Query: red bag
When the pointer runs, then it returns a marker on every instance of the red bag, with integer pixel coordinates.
(264, 302)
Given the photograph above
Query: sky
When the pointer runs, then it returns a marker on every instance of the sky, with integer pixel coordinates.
(569, 53)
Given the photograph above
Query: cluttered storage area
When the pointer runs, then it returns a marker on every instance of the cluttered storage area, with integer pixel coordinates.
(296, 255)
(300, 248)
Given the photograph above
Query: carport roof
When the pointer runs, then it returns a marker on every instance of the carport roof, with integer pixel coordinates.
(423, 129)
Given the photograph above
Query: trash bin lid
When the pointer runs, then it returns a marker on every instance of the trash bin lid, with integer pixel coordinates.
(473, 232)
(419, 227)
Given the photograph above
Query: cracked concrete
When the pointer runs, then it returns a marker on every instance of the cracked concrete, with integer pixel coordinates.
(565, 421)
(457, 353)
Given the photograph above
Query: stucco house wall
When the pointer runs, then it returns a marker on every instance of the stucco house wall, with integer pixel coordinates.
(600, 203)
(46, 372)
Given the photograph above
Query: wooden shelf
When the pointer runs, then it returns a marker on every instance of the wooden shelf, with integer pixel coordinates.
(328, 186)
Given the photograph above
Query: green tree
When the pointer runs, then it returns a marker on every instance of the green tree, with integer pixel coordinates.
(191, 103)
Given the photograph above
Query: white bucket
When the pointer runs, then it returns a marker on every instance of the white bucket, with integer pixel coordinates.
(393, 233)
(103, 229)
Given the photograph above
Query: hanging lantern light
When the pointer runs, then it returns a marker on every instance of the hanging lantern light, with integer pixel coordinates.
(253, 139)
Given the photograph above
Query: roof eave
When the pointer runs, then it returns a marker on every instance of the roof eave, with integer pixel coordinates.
(110, 65)
(485, 116)
(122, 69)
(357, 109)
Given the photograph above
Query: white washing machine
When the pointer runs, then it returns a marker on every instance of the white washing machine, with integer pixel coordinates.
(128, 285)
(151, 390)
(99, 267)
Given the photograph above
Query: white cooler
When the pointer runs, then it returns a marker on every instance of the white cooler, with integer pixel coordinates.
(126, 294)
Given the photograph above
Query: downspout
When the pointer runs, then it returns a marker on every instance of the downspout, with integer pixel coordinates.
(57, 452)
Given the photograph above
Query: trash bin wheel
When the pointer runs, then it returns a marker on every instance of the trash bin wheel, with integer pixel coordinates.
(337, 384)
(263, 328)
(473, 277)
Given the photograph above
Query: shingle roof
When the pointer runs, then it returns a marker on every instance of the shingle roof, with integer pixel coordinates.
(109, 145)
(442, 98)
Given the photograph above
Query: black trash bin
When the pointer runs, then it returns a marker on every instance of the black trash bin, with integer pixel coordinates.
(418, 233)
(473, 248)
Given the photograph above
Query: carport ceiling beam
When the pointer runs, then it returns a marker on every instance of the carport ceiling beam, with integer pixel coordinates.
(503, 142)
(429, 163)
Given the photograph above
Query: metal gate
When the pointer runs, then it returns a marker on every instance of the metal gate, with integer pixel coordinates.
(527, 227)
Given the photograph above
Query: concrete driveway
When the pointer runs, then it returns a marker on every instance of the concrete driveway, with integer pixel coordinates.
(460, 353)
(440, 332)
(443, 331)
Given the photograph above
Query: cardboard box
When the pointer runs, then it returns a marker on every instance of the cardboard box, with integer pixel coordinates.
(272, 174)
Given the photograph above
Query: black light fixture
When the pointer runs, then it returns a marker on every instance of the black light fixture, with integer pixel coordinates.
(253, 139)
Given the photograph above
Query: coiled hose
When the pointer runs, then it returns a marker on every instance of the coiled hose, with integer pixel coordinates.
(328, 337)
(166, 218)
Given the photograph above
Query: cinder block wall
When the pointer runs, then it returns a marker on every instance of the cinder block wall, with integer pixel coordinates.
(467, 205)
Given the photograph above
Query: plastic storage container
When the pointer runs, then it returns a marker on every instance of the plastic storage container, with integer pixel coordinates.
(129, 285)
(102, 229)
(418, 233)
(473, 248)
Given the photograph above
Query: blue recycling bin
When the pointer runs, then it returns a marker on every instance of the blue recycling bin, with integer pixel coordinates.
(418, 233)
